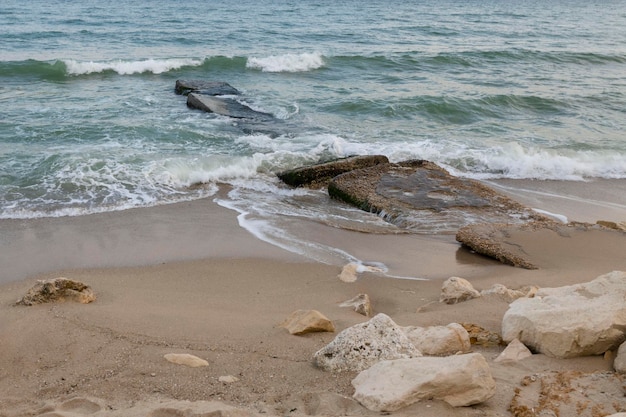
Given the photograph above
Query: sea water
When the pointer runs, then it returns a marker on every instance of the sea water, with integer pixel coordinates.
(89, 121)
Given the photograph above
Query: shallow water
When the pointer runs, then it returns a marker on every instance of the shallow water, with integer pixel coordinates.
(89, 121)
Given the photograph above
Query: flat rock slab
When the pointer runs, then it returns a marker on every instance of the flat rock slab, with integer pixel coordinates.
(225, 107)
(542, 243)
(423, 197)
(212, 88)
(318, 175)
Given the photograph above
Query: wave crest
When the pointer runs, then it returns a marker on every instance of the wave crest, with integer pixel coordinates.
(288, 62)
(155, 66)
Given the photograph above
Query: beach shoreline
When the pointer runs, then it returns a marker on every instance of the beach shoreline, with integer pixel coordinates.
(186, 278)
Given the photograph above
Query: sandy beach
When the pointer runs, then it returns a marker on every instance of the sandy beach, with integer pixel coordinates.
(185, 278)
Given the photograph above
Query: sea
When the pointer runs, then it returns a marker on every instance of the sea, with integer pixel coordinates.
(488, 89)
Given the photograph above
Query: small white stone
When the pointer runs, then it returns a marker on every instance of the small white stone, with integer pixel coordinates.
(185, 359)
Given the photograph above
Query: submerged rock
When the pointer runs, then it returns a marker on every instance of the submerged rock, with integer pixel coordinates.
(58, 289)
(211, 88)
(225, 107)
(423, 197)
(317, 176)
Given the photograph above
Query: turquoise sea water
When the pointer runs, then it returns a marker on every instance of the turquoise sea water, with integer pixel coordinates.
(89, 121)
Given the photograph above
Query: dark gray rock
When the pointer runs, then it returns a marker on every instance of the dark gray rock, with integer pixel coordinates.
(317, 176)
(423, 197)
(225, 107)
(210, 88)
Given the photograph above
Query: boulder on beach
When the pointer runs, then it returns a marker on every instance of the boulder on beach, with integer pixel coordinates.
(58, 289)
(318, 175)
(307, 321)
(390, 385)
(362, 345)
(575, 320)
(211, 88)
(421, 196)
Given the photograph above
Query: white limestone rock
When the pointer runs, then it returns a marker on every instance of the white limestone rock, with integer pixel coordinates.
(362, 345)
(514, 352)
(361, 304)
(501, 292)
(439, 340)
(576, 320)
(619, 364)
(185, 359)
(455, 290)
(460, 380)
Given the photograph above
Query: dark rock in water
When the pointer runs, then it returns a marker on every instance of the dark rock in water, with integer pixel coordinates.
(210, 88)
(225, 106)
(317, 176)
(423, 197)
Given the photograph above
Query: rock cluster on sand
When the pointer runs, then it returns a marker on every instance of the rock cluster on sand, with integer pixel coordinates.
(394, 373)
(455, 290)
(58, 289)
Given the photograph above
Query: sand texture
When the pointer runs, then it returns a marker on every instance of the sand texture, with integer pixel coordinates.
(225, 305)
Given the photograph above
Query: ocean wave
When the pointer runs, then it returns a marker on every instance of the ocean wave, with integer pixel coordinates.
(154, 66)
(288, 62)
(513, 160)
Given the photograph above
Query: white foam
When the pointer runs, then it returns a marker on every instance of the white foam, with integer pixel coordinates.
(155, 66)
(563, 219)
(287, 63)
(510, 160)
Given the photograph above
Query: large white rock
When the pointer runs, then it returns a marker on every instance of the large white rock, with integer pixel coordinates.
(439, 340)
(362, 345)
(455, 289)
(459, 380)
(576, 320)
